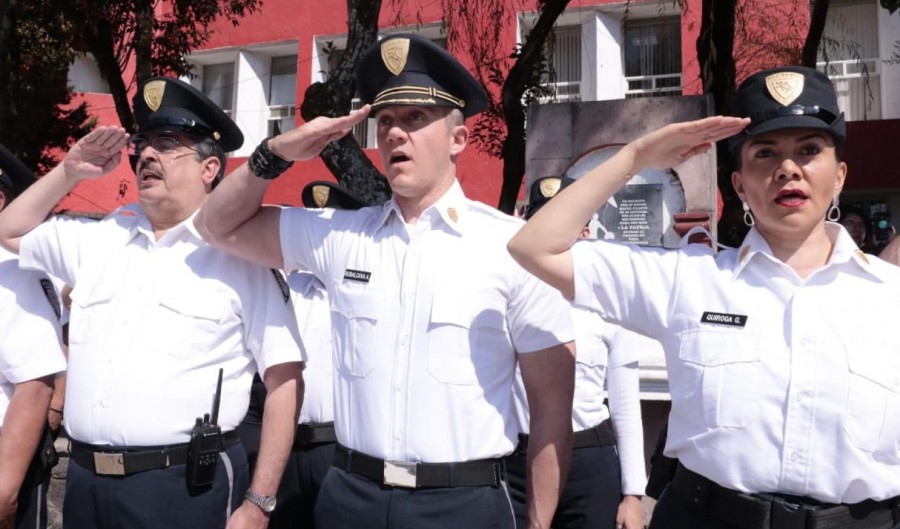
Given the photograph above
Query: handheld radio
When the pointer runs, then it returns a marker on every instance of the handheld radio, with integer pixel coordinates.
(205, 445)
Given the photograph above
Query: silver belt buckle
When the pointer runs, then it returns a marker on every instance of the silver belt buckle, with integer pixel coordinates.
(109, 464)
(400, 474)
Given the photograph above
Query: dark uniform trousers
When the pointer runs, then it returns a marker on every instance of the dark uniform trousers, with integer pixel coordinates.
(31, 510)
(692, 502)
(304, 471)
(303, 477)
(155, 499)
(351, 501)
(590, 497)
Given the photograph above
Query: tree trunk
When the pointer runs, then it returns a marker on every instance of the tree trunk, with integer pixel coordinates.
(816, 28)
(344, 158)
(518, 80)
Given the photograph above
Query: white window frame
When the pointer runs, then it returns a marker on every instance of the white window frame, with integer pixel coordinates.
(250, 109)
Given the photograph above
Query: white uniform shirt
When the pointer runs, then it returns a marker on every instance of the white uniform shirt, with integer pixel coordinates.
(427, 319)
(314, 320)
(153, 321)
(779, 384)
(30, 340)
(600, 349)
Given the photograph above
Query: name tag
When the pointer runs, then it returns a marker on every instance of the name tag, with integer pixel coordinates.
(721, 318)
(357, 275)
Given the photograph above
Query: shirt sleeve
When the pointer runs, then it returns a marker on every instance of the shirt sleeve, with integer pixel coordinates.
(30, 347)
(623, 383)
(303, 235)
(269, 322)
(54, 247)
(628, 285)
(539, 316)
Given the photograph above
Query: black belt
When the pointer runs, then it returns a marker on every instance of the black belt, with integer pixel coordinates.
(600, 435)
(112, 461)
(314, 433)
(769, 511)
(481, 473)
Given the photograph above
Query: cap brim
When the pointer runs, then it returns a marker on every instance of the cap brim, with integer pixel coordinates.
(785, 122)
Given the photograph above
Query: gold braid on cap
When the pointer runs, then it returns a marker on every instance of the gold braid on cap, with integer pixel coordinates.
(384, 96)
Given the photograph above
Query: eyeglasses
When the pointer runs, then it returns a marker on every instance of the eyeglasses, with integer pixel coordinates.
(161, 144)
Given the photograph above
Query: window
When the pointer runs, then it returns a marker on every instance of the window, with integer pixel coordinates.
(848, 54)
(652, 52)
(564, 52)
(218, 85)
(282, 94)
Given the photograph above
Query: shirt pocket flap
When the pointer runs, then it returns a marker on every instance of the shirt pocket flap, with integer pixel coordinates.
(357, 303)
(875, 367)
(465, 311)
(717, 347)
(204, 307)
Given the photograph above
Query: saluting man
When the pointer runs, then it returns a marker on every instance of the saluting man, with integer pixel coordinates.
(428, 310)
(30, 356)
(156, 313)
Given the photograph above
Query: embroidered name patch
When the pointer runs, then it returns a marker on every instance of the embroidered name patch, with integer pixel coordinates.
(52, 298)
(720, 318)
(357, 275)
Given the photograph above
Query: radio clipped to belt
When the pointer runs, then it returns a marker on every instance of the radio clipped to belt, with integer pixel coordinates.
(205, 445)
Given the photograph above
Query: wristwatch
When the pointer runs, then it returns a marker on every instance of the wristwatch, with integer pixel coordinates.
(266, 503)
(266, 164)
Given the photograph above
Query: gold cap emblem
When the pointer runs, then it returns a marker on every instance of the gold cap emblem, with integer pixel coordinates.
(320, 195)
(153, 94)
(454, 216)
(785, 87)
(550, 187)
(394, 53)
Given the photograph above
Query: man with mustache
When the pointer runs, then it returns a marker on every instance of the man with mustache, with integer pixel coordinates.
(156, 314)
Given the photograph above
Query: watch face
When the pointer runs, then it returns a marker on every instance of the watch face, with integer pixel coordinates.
(269, 504)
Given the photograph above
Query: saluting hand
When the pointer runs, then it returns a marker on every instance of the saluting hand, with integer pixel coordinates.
(674, 144)
(96, 154)
(308, 140)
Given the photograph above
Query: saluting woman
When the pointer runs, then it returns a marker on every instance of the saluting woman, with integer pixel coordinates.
(783, 414)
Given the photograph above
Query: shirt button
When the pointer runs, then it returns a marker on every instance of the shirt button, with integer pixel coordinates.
(404, 339)
(795, 457)
(397, 435)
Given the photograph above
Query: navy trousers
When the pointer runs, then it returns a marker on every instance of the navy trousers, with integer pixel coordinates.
(303, 476)
(349, 501)
(592, 492)
(156, 498)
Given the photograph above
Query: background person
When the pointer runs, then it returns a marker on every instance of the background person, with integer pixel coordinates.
(606, 475)
(782, 411)
(312, 453)
(30, 358)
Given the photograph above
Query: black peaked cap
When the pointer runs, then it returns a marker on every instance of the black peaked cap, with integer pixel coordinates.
(167, 104)
(409, 69)
(543, 189)
(787, 97)
(13, 173)
(324, 194)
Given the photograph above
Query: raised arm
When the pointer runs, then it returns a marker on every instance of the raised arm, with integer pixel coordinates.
(233, 217)
(92, 156)
(542, 245)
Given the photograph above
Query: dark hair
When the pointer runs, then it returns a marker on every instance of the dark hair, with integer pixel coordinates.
(206, 148)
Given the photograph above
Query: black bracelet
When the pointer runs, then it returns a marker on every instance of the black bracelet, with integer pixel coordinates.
(57, 411)
(266, 164)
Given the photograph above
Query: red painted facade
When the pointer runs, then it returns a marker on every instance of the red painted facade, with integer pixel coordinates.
(480, 175)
